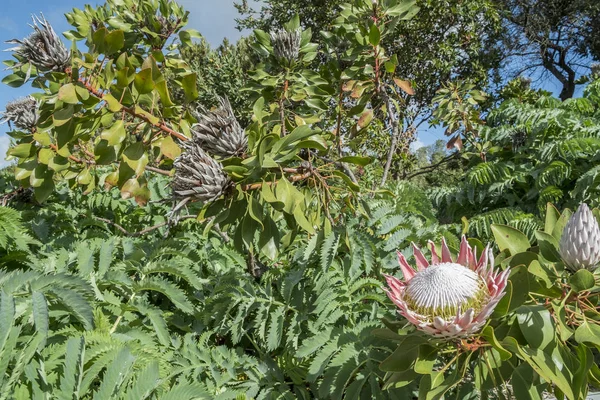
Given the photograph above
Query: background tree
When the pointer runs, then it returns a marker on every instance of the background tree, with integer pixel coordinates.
(551, 36)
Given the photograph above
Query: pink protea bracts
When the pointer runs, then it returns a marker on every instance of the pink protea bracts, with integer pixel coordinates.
(445, 298)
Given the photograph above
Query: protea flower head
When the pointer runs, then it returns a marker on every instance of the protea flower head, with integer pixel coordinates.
(286, 45)
(23, 113)
(580, 240)
(43, 48)
(219, 133)
(198, 177)
(448, 298)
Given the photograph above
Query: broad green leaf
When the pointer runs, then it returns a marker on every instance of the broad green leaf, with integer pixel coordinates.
(374, 35)
(510, 238)
(116, 134)
(136, 157)
(362, 161)
(114, 41)
(143, 81)
(582, 280)
(537, 325)
(588, 333)
(189, 86)
(68, 94)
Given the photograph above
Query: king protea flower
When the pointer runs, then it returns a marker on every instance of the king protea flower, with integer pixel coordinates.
(446, 298)
(22, 113)
(43, 48)
(580, 240)
(198, 177)
(218, 132)
(286, 45)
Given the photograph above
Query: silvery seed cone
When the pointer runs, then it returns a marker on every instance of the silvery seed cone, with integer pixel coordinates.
(219, 133)
(286, 45)
(580, 240)
(43, 48)
(22, 113)
(198, 177)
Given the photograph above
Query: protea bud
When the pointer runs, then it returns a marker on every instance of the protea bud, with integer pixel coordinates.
(23, 113)
(43, 48)
(448, 299)
(219, 133)
(286, 45)
(580, 240)
(198, 177)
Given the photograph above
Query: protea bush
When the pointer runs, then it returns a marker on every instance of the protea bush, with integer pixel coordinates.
(22, 113)
(447, 298)
(42, 49)
(580, 240)
(219, 133)
(198, 177)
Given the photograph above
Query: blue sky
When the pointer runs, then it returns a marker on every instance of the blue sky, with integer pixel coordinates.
(214, 19)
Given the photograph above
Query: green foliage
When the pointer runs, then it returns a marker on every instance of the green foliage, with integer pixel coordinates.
(529, 154)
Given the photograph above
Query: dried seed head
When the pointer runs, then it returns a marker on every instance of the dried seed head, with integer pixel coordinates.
(286, 45)
(43, 48)
(23, 113)
(198, 177)
(219, 133)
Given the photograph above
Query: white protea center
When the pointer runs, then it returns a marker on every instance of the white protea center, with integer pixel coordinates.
(448, 298)
(443, 289)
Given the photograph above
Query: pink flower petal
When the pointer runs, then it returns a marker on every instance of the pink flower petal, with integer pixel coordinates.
(435, 259)
(464, 252)
(446, 257)
(407, 271)
(422, 262)
(467, 318)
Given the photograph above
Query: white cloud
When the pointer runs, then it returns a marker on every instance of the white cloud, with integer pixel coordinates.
(416, 145)
(4, 145)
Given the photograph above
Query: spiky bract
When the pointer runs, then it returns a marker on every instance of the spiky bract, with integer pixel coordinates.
(22, 113)
(219, 133)
(42, 48)
(580, 240)
(198, 177)
(286, 45)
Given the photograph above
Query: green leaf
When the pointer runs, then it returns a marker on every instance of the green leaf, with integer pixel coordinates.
(40, 312)
(113, 104)
(510, 238)
(536, 325)
(258, 109)
(143, 81)
(136, 158)
(302, 221)
(73, 369)
(588, 334)
(115, 375)
(582, 280)
(114, 42)
(68, 94)
(115, 134)
(189, 86)
(405, 354)
(374, 35)
(362, 161)
(24, 150)
(405, 10)
(526, 384)
(490, 336)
